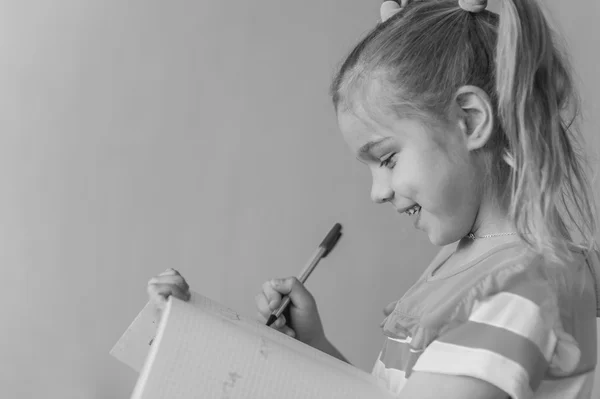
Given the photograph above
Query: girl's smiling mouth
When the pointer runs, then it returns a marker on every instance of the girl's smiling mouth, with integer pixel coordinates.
(411, 210)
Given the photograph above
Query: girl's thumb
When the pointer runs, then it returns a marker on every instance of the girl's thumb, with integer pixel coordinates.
(293, 288)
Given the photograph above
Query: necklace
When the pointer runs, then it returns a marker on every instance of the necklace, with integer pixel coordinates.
(473, 236)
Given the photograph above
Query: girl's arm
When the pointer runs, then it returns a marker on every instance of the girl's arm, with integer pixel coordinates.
(423, 385)
(325, 346)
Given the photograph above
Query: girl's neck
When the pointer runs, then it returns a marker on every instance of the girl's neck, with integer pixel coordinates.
(491, 220)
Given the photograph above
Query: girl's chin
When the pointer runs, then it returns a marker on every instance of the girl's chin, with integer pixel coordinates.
(437, 236)
(437, 242)
(439, 239)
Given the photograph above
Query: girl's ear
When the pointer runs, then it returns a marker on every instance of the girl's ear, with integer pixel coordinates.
(476, 116)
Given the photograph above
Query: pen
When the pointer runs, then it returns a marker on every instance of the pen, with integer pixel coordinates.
(322, 250)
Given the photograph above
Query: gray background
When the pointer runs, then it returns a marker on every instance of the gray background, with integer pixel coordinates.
(197, 135)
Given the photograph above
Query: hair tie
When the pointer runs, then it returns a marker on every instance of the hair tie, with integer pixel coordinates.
(473, 6)
(390, 8)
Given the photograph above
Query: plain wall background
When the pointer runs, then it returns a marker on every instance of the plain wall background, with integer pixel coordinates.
(143, 135)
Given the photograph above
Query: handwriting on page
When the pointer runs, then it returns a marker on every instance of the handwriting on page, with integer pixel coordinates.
(263, 349)
(214, 307)
(229, 385)
(230, 314)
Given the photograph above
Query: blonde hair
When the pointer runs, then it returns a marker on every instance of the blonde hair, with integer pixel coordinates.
(535, 159)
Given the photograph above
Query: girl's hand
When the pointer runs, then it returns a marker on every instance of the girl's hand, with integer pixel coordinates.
(303, 322)
(169, 282)
(389, 308)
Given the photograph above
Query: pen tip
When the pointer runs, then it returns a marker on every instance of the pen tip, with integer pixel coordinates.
(271, 320)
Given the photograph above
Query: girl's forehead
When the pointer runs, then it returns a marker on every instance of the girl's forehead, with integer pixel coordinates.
(402, 132)
(359, 129)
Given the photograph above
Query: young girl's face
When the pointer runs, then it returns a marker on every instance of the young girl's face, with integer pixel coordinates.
(414, 164)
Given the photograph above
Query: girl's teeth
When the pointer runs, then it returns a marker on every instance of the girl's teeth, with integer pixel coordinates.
(413, 210)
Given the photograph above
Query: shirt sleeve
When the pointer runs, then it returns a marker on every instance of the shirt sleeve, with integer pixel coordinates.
(510, 340)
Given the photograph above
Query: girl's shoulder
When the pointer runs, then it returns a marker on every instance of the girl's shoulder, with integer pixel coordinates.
(527, 319)
(438, 302)
(442, 284)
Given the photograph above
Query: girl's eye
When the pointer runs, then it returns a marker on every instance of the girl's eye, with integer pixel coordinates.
(389, 161)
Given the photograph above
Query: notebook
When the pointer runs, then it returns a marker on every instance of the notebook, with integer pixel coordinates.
(202, 349)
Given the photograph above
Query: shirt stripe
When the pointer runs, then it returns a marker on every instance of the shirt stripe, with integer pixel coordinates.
(398, 355)
(501, 342)
(498, 370)
(391, 379)
(407, 340)
(518, 315)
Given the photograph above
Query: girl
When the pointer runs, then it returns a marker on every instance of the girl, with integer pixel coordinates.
(465, 120)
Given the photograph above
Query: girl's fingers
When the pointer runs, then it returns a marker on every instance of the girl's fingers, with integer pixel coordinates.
(265, 311)
(159, 293)
(389, 308)
(170, 272)
(261, 317)
(279, 323)
(272, 296)
(293, 288)
(288, 331)
(173, 279)
(262, 305)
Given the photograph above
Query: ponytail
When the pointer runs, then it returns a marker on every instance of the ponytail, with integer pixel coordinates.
(537, 107)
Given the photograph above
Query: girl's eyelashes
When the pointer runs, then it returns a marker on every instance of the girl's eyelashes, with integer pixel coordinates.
(388, 161)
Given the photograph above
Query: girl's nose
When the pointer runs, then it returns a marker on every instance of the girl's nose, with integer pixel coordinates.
(381, 191)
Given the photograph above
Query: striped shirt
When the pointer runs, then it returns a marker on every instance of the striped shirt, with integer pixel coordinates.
(507, 318)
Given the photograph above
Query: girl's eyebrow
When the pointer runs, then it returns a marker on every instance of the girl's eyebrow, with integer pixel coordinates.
(368, 147)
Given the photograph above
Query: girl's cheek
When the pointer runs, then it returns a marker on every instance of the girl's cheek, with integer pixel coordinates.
(398, 183)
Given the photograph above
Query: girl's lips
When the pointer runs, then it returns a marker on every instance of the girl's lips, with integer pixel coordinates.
(403, 210)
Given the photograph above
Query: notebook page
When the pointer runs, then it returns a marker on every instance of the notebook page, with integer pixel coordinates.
(134, 344)
(132, 348)
(199, 354)
(260, 328)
